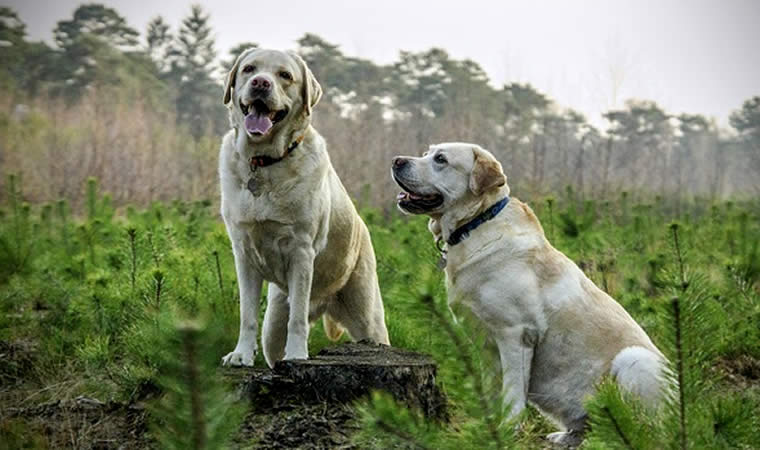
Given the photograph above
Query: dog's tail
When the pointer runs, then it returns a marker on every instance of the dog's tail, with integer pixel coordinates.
(333, 330)
(642, 372)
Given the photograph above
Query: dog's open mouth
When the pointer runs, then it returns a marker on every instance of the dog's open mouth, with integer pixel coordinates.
(414, 202)
(259, 118)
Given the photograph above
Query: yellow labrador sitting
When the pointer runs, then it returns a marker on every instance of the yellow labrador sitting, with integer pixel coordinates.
(288, 216)
(557, 333)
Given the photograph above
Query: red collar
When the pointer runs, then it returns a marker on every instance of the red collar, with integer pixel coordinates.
(264, 160)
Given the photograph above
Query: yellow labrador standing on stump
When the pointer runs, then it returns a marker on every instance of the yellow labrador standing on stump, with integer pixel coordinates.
(557, 333)
(288, 216)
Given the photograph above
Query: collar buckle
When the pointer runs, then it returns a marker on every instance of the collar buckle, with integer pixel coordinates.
(439, 245)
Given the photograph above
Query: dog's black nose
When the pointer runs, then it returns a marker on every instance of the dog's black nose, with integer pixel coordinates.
(399, 162)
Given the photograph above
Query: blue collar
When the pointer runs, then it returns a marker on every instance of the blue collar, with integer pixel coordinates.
(464, 231)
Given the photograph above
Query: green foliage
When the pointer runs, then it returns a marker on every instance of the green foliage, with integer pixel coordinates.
(96, 48)
(191, 74)
(95, 19)
(12, 32)
(697, 411)
(110, 289)
(747, 119)
(196, 411)
(618, 420)
(16, 244)
(158, 39)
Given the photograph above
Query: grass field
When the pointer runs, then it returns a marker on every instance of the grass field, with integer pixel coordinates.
(96, 304)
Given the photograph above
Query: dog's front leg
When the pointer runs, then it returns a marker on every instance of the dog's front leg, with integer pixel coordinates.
(300, 276)
(249, 283)
(516, 353)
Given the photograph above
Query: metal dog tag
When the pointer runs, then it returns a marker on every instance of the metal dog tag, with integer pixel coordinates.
(442, 262)
(252, 185)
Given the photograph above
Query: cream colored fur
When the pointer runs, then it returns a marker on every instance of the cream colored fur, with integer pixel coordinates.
(299, 229)
(557, 333)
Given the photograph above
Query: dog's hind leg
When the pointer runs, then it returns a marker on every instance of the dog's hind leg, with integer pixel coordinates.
(358, 306)
(274, 333)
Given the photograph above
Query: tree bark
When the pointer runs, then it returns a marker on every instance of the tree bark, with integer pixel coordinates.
(345, 373)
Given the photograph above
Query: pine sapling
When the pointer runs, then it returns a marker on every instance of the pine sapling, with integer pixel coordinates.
(196, 411)
(132, 236)
(489, 416)
(158, 285)
(618, 420)
(693, 319)
(153, 250)
(676, 305)
(62, 207)
(219, 275)
(92, 198)
(188, 336)
(618, 430)
(485, 428)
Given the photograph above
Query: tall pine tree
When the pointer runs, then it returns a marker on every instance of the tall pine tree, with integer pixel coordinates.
(747, 122)
(192, 67)
(158, 40)
(93, 43)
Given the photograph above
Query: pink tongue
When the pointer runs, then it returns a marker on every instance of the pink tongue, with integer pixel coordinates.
(257, 123)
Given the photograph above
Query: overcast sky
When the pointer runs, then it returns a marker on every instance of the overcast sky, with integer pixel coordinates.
(692, 56)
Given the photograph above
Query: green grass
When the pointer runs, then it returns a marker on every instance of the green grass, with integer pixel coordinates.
(97, 297)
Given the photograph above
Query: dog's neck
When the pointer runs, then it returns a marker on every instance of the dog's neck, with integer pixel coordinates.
(276, 147)
(454, 218)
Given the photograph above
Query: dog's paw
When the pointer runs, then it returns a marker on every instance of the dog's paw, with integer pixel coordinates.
(296, 348)
(569, 438)
(239, 358)
(302, 354)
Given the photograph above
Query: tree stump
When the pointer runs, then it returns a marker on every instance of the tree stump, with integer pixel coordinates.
(307, 403)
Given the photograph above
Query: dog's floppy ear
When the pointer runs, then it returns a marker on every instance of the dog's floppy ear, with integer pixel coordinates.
(312, 91)
(486, 172)
(229, 84)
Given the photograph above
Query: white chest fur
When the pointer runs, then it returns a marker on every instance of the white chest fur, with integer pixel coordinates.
(279, 217)
(487, 274)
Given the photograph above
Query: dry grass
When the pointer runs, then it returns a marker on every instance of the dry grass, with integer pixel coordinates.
(133, 145)
(137, 152)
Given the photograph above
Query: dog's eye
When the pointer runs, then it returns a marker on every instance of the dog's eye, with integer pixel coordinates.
(249, 69)
(286, 75)
(440, 159)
